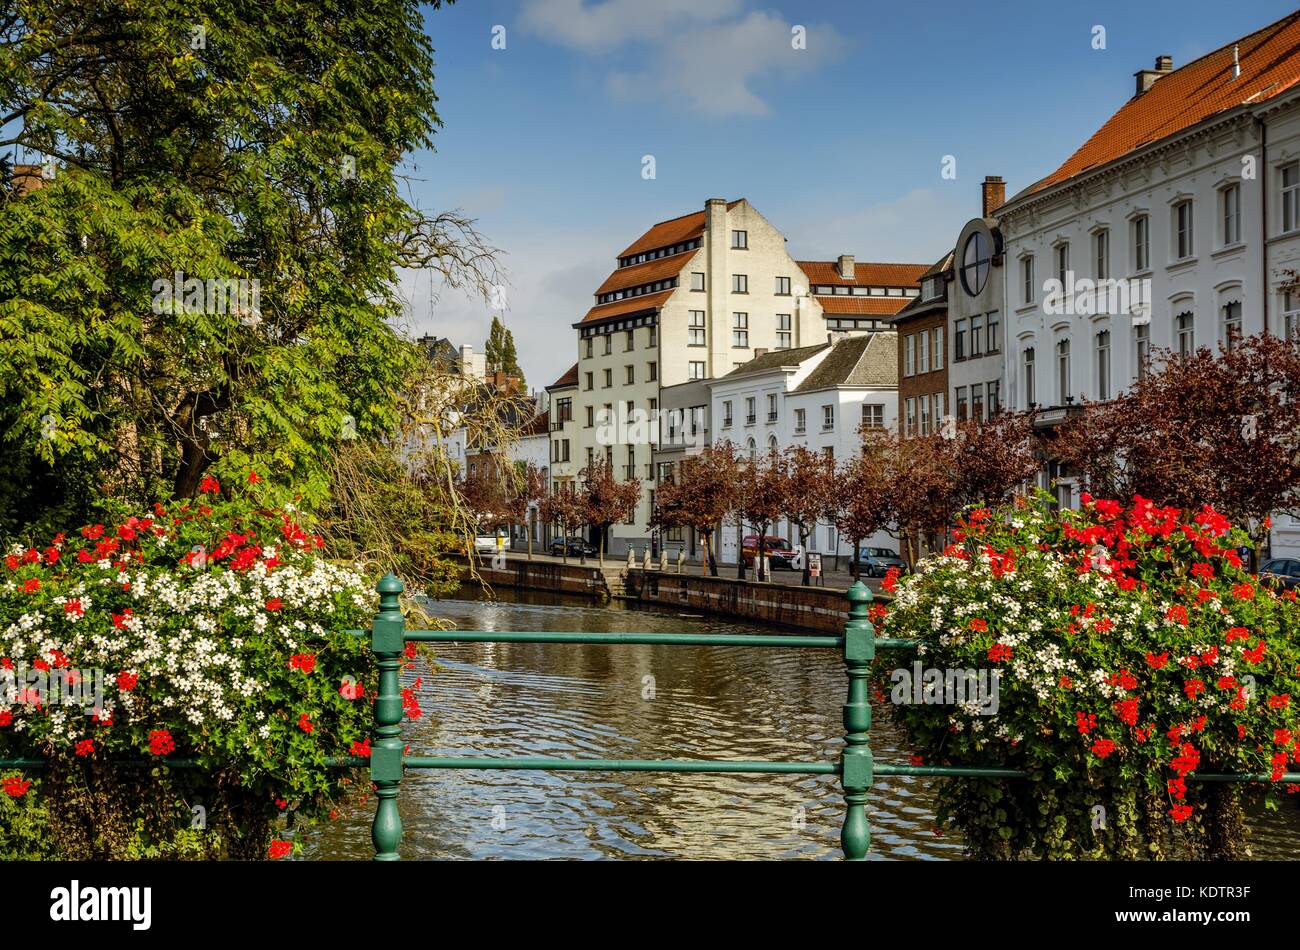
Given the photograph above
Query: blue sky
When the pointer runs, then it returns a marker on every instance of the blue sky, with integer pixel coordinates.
(839, 144)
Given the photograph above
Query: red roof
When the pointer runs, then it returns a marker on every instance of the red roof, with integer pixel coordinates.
(621, 308)
(647, 273)
(1270, 65)
(871, 306)
(673, 231)
(570, 378)
(864, 274)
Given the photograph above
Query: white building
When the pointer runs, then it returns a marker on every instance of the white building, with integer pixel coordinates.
(815, 396)
(1190, 196)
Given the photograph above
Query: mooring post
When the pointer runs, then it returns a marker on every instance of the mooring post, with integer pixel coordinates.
(387, 641)
(855, 763)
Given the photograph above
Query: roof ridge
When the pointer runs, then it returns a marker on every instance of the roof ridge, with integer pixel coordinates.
(1239, 40)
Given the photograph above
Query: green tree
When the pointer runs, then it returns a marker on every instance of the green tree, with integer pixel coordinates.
(218, 140)
(500, 350)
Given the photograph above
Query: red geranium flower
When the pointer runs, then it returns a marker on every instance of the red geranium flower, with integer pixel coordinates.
(160, 742)
(280, 849)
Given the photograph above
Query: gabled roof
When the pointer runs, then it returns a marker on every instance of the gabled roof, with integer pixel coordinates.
(864, 274)
(538, 425)
(870, 360)
(1178, 100)
(919, 306)
(673, 231)
(570, 378)
(775, 359)
(647, 273)
(646, 303)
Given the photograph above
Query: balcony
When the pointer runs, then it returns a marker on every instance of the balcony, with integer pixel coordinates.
(750, 419)
(771, 417)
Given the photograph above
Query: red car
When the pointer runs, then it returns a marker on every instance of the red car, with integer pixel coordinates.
(778, 551)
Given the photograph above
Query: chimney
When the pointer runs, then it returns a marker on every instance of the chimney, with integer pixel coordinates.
(1146, 77)
(1236, 62)
(993, 194)
(759, 351)
(715, 215)
(845, 266)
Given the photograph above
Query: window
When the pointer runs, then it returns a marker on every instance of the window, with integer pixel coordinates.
(923, 351)
(1291, 196)
(1062, 371)
(739, 240)
(631, 375)
(959, 341)
(1185, 334)
(739, 284)
(962, 404)
(1062, 252)
(1231, 324)
(1027, 361)
(1291, 315)
(751, 414)
(1141, 243)
(909, 355)
(630, 341)
(976, 336)
(590, 381)
(726, 414)
(652, 372)
(654, 336)
(977, 402)
(828, 418)
(784, 336)
(925, 417)
(995, 398)
(696, 370)
(1141, 347)
(1102, 346)
(740, 329)
(909, 417)
(695, 335)
(1183, 229)
(591, 416)
(609, 378)
(783, 286)
(563, 410)
(1028, 291)
(697, 280)
(1101, 254)
(800, 420)
(609, 344)
(771, 407)
(993, 326)
(938, 341)
(873, 415)
(976, 260)
(1231, 202)
(587, 354)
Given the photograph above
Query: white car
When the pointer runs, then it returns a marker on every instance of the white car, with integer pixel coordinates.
(491, 543)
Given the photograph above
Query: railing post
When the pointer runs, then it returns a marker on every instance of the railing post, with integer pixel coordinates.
(855, 763)
(387, 642)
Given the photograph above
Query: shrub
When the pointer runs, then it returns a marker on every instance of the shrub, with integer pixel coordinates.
(1133, 651)
(212, 631)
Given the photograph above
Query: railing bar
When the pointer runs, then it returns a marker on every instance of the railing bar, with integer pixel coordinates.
(620, 765)
(951, 770)
(888, 644)
(662, 639)
(333, 762)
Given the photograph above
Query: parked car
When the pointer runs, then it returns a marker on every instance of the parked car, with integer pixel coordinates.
(491, 542)
(777, 550)
(1281, 572)
(576, 547)
(876, 562)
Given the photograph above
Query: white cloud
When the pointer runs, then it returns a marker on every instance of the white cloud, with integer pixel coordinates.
(707, 54)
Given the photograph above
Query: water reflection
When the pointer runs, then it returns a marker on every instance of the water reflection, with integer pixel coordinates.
(644, 702)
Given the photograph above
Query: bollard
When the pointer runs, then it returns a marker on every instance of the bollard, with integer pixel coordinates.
(387, 642)
(855, 763)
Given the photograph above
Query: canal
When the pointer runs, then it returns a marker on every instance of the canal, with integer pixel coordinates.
(645, 702)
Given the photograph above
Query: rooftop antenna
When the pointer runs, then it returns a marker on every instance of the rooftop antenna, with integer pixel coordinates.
(1236, 63)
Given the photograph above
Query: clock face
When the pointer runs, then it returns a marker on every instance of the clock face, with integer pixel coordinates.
(976, 260)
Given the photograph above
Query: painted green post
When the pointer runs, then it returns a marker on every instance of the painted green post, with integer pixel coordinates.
(855, 764)
(387, 641)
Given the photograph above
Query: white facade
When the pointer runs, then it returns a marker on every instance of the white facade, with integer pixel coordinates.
(1205, 221)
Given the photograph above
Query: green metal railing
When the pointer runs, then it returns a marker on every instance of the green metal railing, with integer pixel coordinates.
(855, 768)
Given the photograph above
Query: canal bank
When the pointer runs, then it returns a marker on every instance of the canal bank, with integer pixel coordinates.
(821, 609)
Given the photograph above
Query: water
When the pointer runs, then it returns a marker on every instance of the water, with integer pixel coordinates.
(570, 700)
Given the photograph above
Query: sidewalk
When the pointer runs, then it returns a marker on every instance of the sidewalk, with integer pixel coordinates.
(831, 580)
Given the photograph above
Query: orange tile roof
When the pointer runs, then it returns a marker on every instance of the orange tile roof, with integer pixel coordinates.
(672, 231)
(877, 306)
(621, 308)
(1270, 65)
(570, 378)
(864, 274)
(646, 273)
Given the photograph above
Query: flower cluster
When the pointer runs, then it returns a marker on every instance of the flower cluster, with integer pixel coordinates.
(1134, 648)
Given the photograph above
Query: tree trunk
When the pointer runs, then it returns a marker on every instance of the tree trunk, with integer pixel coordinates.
(528, 534)
(807, 567)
